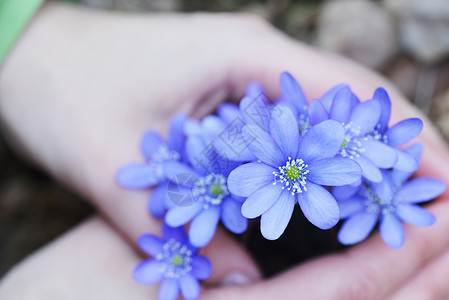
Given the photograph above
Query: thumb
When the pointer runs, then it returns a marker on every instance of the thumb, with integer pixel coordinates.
(231, 264)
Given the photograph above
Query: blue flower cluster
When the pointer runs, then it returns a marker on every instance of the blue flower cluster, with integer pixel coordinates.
(336, 157)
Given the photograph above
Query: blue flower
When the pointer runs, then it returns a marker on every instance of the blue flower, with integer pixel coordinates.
(293, 96)
(224, 130)
(291, 169)
(175, 264)
(398, 134)
(203, 194)
(152, 172)
(360, 120)
(391, 202)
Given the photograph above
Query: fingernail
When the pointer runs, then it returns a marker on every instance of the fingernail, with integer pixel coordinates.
(235, 279)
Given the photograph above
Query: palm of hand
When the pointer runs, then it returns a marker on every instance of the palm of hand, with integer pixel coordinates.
(145, 70)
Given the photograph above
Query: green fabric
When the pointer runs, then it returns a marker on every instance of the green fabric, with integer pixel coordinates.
(14, 16)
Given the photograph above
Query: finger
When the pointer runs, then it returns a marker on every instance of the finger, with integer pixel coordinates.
(231, 264)
(430, 283)
(368, 271)
(89, 262)
(103, 146)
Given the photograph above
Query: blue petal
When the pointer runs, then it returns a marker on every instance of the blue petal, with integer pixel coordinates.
(365, 116)
(284, 130)
(176, 171)
(415, 215)
(323, 140)
(230, 143)
(317, 113)
(176, 233)
(345, 191)
(203, 226)
(137, 176)
(196, 154)
(357, 228)
(385, 107)
(151, 244)
(341, 106)
(229, 112)
(181, 196)
(178, 216)
(291, 91)
(328, 97)
(392, 231)
(169, 289)
(406, 162)
(157, 201)
(256, 111)
(275, 220)
(334, 171)
(400, 176)
(190, 287)
(404, 131)
(176, 133)
(201, 267)
(319, 206)
(213, 125)
(231, 216)
(384, 189)
(415, 150)
(261, 200)
(351, 206)
(254, 90)
(149, 271)
(420, 189)
(150, 143)
(262, 145)
(248, 178)
(233, 147)
(369, 170)
(192, 127)
(380, 154)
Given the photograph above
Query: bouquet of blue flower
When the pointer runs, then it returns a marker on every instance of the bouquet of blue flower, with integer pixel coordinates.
(335, 157)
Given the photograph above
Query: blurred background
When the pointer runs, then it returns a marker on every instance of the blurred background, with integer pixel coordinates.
(406, 40)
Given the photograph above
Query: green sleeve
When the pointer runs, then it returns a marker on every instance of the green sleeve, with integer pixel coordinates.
(14, 16)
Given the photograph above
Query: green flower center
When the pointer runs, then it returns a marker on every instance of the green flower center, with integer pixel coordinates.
(374, 204)
(292, 173)
(345, 143)
(177, 260)
(292, 176)
(211, 189)
(215, 189)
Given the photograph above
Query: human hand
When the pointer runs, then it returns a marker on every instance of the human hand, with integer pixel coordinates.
(79, 126)
(94, 262)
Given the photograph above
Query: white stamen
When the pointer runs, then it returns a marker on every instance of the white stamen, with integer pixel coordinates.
(352, 145)
(211, 189)
(174, 249)
(292, 175)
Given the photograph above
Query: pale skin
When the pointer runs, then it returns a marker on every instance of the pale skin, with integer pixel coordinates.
(79, 89)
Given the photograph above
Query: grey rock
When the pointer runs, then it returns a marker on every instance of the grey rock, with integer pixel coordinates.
(424, 27)
(440, 114)
(135, 5)
(359, 29)
(404, 73)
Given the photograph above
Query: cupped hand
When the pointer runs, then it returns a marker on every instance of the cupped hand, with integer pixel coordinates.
(80, 88)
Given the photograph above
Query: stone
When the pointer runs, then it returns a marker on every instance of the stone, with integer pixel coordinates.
(135, 5)
(423, 27)
(439, 113)
(359, 29)
(404, 72)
